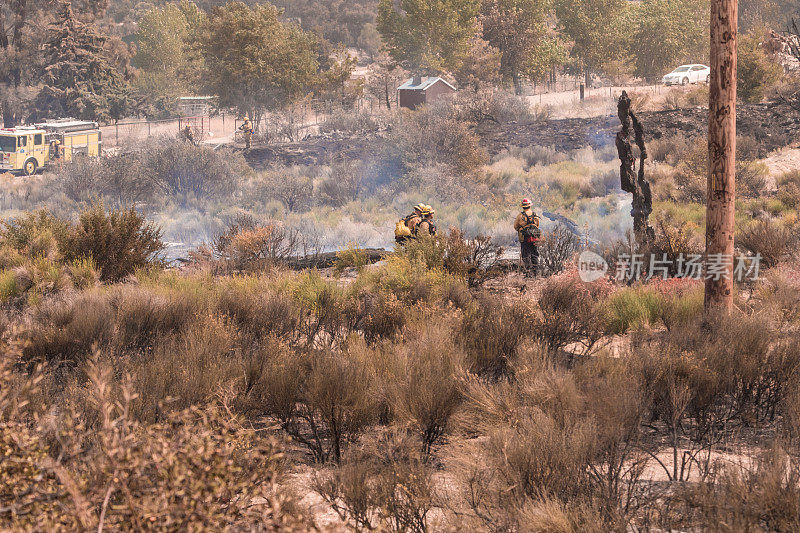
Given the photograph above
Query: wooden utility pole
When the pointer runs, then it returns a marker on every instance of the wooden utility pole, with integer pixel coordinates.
(721, 156)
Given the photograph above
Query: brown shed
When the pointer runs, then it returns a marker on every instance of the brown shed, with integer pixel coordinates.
(421, 90)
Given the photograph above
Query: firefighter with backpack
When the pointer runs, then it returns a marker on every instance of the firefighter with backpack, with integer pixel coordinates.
(527, 226)
(409, 227)
(426, 226)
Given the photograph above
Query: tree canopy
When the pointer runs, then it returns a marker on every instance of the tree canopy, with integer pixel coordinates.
(79, 80)
(255, 62)
(669, 33)
(167, 57)
(428, 36)
(520, 29)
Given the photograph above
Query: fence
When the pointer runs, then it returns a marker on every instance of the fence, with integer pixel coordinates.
(308, 116)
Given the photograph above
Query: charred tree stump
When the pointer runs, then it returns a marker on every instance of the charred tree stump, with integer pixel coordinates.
(632, 181)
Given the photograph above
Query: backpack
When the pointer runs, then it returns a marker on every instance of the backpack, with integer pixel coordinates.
(401, 231)
(431, 227)
(530, 231)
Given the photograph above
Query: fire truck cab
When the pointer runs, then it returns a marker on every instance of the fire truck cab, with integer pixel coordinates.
(26, 149)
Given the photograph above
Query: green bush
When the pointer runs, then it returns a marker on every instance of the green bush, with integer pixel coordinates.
(119, 241)
(631, 308)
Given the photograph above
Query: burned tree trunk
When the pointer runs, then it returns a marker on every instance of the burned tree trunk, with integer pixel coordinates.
(632, 181)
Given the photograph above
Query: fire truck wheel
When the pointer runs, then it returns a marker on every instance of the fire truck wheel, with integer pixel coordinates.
(30, 167)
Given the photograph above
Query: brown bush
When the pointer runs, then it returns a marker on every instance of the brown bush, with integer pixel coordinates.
(143, 317)
(323, 400)
(421, 386)
(542, 451)
(769, 239)
(65, 330)
(492, 332)
(558, 247)
(261, 314)
(111, 476)
(569, 314)
(761, 497)
(427, 137)
(378, 316)
(382, 485)
(186, 369)
(250, 245)
(475, 260)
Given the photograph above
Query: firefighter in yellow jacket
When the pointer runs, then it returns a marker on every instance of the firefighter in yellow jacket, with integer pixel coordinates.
(247, 130)
(527, 226)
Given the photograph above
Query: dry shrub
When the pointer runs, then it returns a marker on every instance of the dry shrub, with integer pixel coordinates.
(323, 400)
(761, 497)
(475, 260)
(379, 316)
(346, 182)
(186, 369)
(421, 385)
(384, 484)
(492, 332)
(674, 239)
(495, 106)
(558, 247)
(64, 330)
(143, 316)
(29, 232)
(669, 149)
(289, 185)
(692, 176)
(249, 245)
(167, 168)
(569, 314)
(789, 189)
(112, 476)
(535, 155)
(779, 292)
(556, 441)
(428, 136)
(259, 315)
(771, 240)
(706, 379)
(351, 257)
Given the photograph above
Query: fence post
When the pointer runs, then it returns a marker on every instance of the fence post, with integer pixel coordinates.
(116, 133)
(148, 128)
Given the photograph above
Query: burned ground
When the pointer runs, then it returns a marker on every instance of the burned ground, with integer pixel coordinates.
(772, 125)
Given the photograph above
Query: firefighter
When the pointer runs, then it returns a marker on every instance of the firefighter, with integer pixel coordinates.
(426, 225)
(55, 149)
(247, 131)
(527, 227)
(404, 230)
(188, 134)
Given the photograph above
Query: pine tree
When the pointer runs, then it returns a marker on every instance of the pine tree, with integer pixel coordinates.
(79, 81)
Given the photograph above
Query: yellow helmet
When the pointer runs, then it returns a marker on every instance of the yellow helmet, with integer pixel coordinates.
(426, 209)
(418, 208)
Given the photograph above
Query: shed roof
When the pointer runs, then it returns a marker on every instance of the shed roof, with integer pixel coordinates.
(426, 83)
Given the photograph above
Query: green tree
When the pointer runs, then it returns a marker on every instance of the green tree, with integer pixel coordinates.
(428, 36)
(520, 30)
(597, 30)
(757, 72)
(669, 33)
(255, 62)
(167, 57)
(79, 80)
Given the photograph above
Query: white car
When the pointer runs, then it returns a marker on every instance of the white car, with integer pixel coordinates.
(686, 74)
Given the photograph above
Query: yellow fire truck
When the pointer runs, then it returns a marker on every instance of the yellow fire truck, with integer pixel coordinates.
(27, 149)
